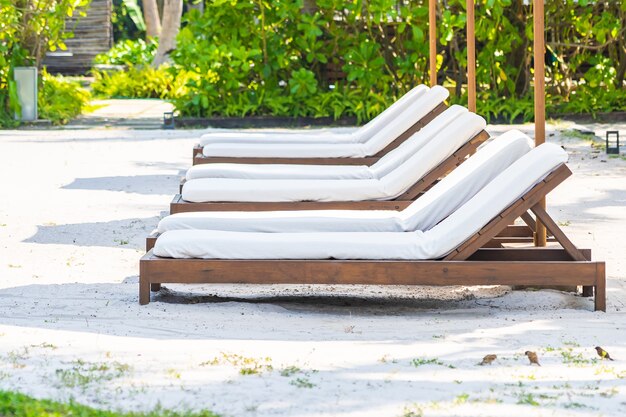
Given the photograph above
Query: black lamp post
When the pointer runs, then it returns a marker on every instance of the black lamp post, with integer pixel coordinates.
(612, 149)
(168, 120)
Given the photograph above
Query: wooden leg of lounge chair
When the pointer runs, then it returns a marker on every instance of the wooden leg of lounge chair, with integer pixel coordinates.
(155, 287)
(144, 292)
(600, 287)
(144, 284)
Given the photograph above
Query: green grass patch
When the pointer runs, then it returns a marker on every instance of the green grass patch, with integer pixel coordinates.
(417, 362)
(18, 405)
(82, 373)
(246, 365)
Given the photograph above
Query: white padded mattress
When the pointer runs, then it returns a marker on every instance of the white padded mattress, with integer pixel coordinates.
(435, 243)
(432, 207)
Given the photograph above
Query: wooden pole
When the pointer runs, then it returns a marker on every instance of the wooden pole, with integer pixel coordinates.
(471, 57)
(540, 96)
(432, 40)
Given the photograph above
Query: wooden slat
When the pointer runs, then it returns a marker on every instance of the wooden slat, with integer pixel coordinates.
(164, 270)
(178, 205)
(201, 159)
(525, 254)
(516, 231)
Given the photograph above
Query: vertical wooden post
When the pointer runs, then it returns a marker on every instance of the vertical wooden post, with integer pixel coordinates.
(540, 96)
(471, 57)
(432, 40)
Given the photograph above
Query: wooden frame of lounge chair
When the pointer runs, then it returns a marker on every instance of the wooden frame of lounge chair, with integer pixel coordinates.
(469, 264)
(178, 205)
(199, 158)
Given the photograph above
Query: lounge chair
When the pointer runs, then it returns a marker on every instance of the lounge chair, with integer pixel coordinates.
(392, 183)
(363, 147)
(330, 172)
(450, 253)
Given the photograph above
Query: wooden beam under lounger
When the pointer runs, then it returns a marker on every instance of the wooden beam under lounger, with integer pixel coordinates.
(155, 270)
(199, 158)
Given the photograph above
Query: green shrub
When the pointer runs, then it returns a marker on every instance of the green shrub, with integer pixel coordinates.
(28, 29)
(60, 99)
(128, 52)
(255, 58)
(140, 82)
(242, 58)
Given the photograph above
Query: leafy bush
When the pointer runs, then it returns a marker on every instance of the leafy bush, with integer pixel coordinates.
(140, 82)
(355, 58)
(129, 52)
(60, 99)
(339, 58)
(127, 20)
(28, 29)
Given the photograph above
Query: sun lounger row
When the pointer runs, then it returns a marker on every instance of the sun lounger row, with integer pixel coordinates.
(373, 228)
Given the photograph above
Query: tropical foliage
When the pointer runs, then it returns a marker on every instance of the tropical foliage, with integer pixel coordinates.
(354, 58)
(140, 82)
(28, 29)
(61, 99)
(129, 52)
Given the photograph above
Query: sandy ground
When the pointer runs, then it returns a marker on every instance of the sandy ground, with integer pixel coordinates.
(78, 204)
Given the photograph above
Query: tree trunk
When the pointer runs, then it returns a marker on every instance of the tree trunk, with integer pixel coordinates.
(151, 16)
(172, 12)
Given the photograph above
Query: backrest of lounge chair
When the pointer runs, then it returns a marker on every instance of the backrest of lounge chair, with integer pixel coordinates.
(412, 114)
(494, 198)
(465, 181)
(406, 149)
(372, 127)
(433, 153)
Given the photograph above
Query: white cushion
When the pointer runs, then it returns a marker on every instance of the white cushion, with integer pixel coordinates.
(296, 171)
(444, 144)
(435, 205)
(435, 243)
(319, 135)
(279, 171)
(415, 111)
